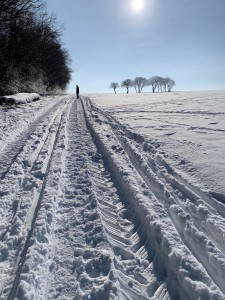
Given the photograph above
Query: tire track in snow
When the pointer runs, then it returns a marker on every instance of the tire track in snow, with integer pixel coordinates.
(205, 210)
(132, 262)
(157, 162)
(82, 259)
(196, 215)
(10, 154)
(92, 268)
(132, 265)
(165, 194)
(24, 217)
(23, 169)
(77, 247)
(136, 266)
(197, 223)
(30, 161)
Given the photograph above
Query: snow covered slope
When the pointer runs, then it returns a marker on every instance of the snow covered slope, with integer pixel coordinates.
(91, 209)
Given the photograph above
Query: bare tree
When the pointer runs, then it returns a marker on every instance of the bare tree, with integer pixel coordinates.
(134, 85)
(163, 84)
(139, 83)
(166, 82)
(127, 83)
(157, 83)
(13, 10)
(153, 82)
(171, 83)
(160, 84)
(114, 86)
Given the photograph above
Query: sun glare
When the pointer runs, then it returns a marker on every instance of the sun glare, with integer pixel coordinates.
(137, 5)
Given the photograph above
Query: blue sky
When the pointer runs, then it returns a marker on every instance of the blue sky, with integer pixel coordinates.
(108, 41)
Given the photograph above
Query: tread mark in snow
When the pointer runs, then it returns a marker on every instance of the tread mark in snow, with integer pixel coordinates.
(163, 192)
(23, 251)
(15, 148)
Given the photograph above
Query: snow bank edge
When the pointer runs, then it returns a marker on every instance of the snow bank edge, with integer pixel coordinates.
(20, 98)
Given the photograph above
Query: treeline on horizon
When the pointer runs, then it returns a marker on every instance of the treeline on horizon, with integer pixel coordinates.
(32, 57)
(158, 84)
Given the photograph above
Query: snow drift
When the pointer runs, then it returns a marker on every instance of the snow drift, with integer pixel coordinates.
(20, 98)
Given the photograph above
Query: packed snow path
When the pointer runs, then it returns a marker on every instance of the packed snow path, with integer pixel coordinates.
(90, 210)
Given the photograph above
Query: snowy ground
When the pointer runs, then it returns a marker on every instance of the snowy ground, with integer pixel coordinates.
(188, 127)
(108, 203)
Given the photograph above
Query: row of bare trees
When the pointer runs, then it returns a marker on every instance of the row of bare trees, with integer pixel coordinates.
(32, 58)
(158, 84)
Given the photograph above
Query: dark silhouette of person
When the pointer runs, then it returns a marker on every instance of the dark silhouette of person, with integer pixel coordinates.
(77, 91)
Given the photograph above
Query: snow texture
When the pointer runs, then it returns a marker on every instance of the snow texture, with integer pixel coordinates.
(95, 206)
(20, 98)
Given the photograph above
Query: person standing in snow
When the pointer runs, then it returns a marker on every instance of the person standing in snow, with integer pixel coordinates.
(77, 91)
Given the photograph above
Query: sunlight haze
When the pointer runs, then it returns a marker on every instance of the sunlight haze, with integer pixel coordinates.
(137, 5)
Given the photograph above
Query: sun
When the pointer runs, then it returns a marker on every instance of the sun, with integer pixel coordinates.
(137, 5)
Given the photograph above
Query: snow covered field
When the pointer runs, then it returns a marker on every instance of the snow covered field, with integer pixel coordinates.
(189, 127)
(113, 197)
